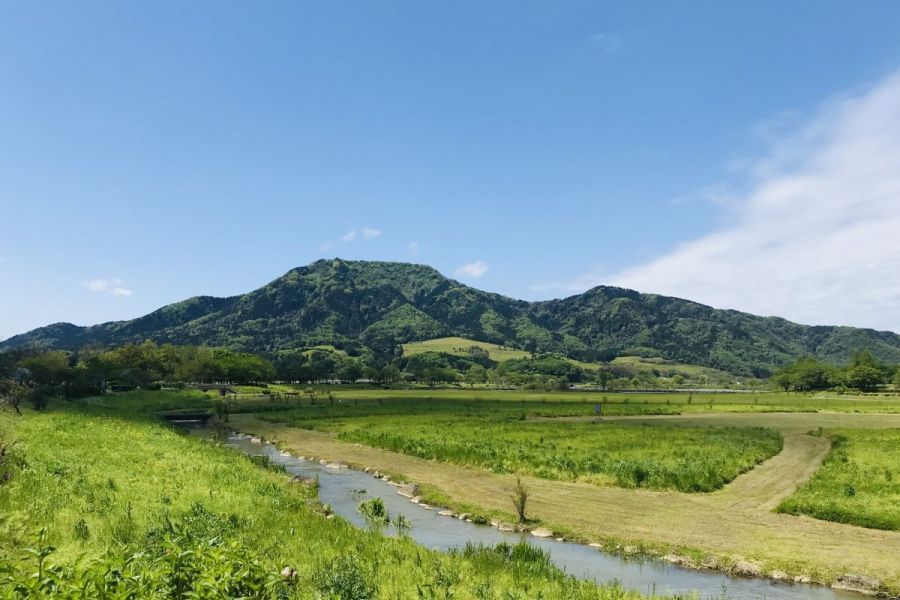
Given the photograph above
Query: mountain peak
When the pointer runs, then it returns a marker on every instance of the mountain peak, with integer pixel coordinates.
(381, 304)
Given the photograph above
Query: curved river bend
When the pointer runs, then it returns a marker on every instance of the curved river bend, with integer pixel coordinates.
(341, 489)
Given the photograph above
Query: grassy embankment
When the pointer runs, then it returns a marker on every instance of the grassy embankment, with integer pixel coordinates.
(159, 514)
(859, 482)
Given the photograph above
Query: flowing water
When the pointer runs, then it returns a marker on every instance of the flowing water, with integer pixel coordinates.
(344, 489)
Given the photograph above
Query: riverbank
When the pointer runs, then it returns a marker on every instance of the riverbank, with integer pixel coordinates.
(434, 526)
(732, 529)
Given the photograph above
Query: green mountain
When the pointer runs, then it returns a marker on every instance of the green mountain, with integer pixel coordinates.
(380, 305)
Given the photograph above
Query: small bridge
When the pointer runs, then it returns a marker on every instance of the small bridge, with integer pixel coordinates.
(185, 417)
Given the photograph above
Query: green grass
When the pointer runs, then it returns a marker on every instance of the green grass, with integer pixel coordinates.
(492, 434)
(458, 346)
(668, 368)
(656, 457)
(103, 482)
(358, 400)
(859, 482)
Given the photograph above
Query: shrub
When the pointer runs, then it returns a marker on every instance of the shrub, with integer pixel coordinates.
(343, 579)
(374, 511)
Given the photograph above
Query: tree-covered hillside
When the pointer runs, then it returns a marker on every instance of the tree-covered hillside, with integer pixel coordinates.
(380, 305)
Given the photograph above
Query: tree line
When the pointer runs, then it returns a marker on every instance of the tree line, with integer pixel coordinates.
(864, 373)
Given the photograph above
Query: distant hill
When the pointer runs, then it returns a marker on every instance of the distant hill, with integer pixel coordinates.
(380, 305)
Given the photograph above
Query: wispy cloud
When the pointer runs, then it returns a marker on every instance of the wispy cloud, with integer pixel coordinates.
(113, 287)
(473, 270)
(816, 236)
(365, 233)
(414, 248)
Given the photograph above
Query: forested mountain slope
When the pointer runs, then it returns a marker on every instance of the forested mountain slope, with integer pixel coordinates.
(380, 305)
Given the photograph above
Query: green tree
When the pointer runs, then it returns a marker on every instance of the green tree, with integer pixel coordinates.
(475, 375)
(864, 378)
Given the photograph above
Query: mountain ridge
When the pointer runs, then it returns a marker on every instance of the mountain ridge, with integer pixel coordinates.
(379, 305)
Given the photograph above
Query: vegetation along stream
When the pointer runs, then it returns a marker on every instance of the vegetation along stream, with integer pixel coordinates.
(343, 489)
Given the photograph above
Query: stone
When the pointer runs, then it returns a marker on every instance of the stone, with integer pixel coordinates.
(333, 466)
(463, 517)
(303, 480)
(323, 462)
(541, 532)
(746, 568)
(256, 440)
(416, 499)
(855, 582)
(630, 550)
(506, 527)
(595, 545)
(682, 561)
(709, 562)
(410, 490)
(802, 579)
(447, 513)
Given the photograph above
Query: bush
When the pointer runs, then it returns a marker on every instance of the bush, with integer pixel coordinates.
(342, 578)
(374, 511)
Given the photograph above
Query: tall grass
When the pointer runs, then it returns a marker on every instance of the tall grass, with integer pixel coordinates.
(859, 482)
(125, 499)
(657, 457)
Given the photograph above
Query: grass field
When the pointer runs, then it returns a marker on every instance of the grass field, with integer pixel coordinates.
(859, 482)
(166, 515)
(684, 459)
(745, 526)
(668, 368)
(458, 346)
(359, 400)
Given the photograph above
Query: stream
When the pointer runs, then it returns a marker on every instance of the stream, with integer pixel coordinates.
(344, 489)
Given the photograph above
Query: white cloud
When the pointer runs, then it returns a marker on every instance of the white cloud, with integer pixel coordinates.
(474, 269)
(816, 236)
(113, 287)
(414, 248)
(366, 233)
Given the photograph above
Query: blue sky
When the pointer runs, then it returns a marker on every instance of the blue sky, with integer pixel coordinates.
(739, 154)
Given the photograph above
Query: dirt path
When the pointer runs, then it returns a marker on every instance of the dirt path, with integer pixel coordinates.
(736, 521)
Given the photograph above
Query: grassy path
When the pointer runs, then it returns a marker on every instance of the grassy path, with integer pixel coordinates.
(733, 522)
